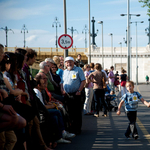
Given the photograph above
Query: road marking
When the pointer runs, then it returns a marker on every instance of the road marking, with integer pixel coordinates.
(143, 129)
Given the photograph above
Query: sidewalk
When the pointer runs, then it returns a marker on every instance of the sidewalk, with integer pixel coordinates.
(108, 133)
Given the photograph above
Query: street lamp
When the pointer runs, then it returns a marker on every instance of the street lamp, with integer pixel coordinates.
(101, 22)
(111, 48)
(120, 43)
(89, 53)
(85, 30)
(137, 50)
(130, 15)
(24, 29)
(125, 39)
(72, 30)
(147, 31)
(128, 35)
(55, 24)
(6, 31)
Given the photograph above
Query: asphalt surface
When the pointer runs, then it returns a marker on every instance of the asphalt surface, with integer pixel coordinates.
(108, 132)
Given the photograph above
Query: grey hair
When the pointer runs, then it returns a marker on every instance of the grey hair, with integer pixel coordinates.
(42, 64)
(49, 60)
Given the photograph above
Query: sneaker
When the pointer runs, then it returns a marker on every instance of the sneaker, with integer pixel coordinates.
(96, 115)
(135, 136)
(67, 135)
(127, 136)
(63, 141)
(105, 115)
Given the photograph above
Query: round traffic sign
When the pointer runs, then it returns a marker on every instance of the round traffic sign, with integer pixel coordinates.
(65, 41)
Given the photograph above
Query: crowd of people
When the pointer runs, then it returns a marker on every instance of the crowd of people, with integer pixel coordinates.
(42, 111)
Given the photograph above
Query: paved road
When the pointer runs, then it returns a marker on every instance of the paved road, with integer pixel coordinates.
(108, 133)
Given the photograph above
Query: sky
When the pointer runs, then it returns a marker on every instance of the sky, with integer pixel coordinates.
(38, 17)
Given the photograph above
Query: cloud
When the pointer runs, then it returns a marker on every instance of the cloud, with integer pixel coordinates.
(80, 39)
(38, 32)
(31, 38)
(52, 40)
(75, 36)
(9, 11)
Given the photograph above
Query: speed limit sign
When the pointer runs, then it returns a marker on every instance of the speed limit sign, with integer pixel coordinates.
(65, 41)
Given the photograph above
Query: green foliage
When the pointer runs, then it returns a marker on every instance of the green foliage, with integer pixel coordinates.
(146, 3)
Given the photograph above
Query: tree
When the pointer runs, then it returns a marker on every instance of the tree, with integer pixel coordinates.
(146, 4)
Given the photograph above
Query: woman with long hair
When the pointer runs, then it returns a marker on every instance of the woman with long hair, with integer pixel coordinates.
(7, 65)
(99, 93)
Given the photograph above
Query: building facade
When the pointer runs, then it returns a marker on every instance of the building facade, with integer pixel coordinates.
(118, 58)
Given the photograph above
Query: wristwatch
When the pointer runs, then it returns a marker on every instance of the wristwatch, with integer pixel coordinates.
(79, 91)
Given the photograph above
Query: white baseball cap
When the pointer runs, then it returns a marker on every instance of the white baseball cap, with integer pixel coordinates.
(69, 58)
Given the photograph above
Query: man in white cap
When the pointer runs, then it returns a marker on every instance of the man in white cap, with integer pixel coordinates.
(72, 83)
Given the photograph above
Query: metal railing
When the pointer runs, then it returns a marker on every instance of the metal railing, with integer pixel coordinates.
(50, 49)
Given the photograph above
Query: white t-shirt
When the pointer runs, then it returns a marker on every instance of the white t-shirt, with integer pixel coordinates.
(39, 95)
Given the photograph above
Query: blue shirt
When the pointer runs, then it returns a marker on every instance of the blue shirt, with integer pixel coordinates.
(131, 100)
(72, 79)
(59, 72)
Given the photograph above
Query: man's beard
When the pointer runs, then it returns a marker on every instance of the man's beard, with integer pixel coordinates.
(69, 67)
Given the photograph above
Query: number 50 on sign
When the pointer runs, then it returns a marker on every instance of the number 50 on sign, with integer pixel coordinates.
(65, 41)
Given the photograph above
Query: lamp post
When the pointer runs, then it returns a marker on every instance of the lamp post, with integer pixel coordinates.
(147, 31)
(120, 43)
(125, 39)
(72, 30)
(6, 31)
(24, 29)
(55, 24)
(85, 30)
(89, 57)
(128, 36)
(137, 50)
(101, 22)
(111, 48)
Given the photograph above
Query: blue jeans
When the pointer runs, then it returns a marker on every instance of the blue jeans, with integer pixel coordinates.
(112, 86)
(99, 94)
(57, 119)
(58, 97)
